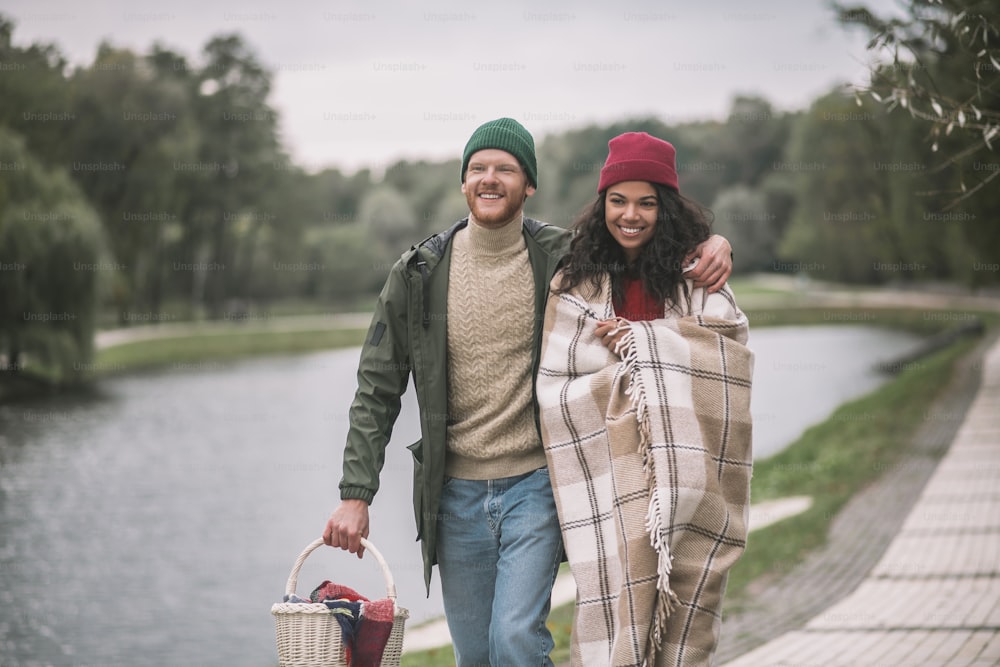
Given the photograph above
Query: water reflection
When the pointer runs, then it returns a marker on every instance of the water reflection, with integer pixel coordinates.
(801, 375)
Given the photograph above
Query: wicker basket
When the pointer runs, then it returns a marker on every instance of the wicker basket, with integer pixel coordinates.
(308, 634)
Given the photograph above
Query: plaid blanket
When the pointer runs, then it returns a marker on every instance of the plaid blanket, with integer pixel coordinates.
(650, 461)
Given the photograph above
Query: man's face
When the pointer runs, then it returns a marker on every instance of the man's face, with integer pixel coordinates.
(495, 187)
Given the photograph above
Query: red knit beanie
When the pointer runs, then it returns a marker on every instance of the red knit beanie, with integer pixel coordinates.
(637, 156)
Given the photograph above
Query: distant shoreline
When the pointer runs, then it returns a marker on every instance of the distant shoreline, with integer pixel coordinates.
(771, 300)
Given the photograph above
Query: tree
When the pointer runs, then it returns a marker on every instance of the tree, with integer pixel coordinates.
(133, 124)
(36, 100)
(236, 159)
(433, 190)
(389, 218)
(749, 142)
(839, 229)
(742, 216)
(51, 261)
(941, 73)
(944, 69)
(346, 264)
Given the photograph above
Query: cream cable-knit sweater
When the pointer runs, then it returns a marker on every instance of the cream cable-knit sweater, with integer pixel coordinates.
(491, 425)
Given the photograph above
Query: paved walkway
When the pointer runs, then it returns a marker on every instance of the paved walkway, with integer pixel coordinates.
(933, 596)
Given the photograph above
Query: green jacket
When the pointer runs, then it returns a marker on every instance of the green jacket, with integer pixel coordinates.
(408, 334)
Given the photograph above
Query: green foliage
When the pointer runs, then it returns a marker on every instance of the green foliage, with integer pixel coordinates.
(389, 219)
(865, 210)
(939, 63)
(34, 93)
(838, 229)
(346, 260)
(50, 262)
(939, 77)
(742, 216)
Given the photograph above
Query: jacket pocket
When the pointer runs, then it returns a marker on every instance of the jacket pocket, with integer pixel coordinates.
(417, 450)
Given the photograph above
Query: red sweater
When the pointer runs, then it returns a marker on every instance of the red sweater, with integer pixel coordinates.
(639, 305)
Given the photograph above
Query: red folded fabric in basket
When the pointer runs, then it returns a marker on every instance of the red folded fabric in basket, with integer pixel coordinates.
(331, 591)
(373, 634)
(365, 634)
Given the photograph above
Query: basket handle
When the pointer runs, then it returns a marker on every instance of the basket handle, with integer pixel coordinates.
(293, 578)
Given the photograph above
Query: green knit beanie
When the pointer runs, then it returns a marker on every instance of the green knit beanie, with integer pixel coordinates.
(505, 134)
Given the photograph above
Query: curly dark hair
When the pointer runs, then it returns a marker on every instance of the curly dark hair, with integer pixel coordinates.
(681, 224)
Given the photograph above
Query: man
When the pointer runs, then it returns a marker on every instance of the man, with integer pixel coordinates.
(460, 313)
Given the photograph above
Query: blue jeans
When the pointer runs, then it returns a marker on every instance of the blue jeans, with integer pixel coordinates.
(498, 551)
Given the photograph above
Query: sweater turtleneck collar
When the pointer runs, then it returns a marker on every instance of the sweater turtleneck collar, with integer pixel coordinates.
(495, 241)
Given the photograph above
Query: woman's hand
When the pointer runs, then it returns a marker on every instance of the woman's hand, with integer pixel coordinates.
(715, 263)
(609, 332)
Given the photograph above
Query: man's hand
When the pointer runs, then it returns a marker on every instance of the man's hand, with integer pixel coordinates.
(347, 525)
(715, 263)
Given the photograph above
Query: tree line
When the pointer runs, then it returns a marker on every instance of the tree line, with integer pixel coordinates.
(147, 187)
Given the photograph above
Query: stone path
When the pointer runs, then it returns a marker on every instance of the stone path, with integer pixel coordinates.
(929, 595)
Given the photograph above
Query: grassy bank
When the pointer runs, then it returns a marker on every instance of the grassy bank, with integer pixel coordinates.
(195, 348)
(183, 351)
(919, 322)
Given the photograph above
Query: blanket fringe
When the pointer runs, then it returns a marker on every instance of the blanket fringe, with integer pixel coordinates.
(666, 603)
(666, 599)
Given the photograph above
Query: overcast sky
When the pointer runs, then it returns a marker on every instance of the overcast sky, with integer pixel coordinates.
(366, 83)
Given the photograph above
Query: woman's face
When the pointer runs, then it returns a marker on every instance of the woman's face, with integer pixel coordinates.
(630, 210)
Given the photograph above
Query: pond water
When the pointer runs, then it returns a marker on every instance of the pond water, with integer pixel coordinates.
(155, 522)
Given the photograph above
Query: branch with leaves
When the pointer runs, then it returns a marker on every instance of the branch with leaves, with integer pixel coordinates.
(942, 65)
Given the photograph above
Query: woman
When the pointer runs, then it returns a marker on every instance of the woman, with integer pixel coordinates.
(644, 389)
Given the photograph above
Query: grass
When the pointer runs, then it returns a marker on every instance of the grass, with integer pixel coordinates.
(748, 286)
(442, 656)
(198, 348)
(920, 322)
(185, 350)
(182, 310)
